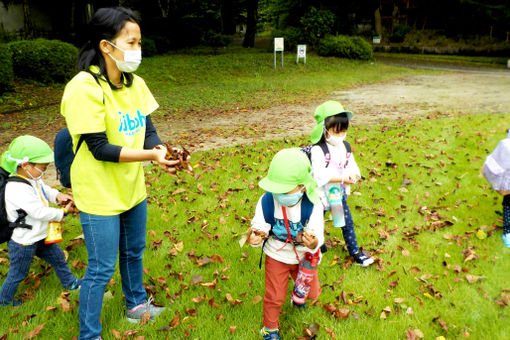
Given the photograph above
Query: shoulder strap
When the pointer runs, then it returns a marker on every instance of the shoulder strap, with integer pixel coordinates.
(347, 146)
(306, 210)
(18, 179)
(268, 208)
(80, 141)
(325, 150)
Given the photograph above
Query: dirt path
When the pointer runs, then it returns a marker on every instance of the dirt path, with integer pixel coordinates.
(469, 91)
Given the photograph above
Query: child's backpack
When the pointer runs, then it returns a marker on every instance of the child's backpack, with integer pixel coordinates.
(496, 168)
(64, 155)
(6, 227)
(268, 210)
(308, 151)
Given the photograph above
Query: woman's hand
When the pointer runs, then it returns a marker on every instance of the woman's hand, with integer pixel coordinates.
(163, 163)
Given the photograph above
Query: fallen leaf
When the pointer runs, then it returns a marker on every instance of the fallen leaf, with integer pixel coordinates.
(256, 299)
(35, 332)
(116, 333)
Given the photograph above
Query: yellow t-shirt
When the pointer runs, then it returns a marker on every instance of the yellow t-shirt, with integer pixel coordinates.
(99, 187)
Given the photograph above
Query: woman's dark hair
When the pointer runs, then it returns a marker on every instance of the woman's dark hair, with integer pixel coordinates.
(106, 24)
(339, 123)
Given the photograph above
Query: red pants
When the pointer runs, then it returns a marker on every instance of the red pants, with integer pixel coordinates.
(277, 279)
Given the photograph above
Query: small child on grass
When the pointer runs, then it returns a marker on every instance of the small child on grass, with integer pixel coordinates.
(334, 167)
(290, 227)
(496, 170)
(27, 159)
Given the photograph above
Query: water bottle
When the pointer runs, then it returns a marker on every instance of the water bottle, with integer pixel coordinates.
(54, 232)
(306, 272)
(335, 192)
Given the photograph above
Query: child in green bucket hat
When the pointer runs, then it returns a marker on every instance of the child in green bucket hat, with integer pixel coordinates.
(334, 169)
(27, 201)
(289, 224)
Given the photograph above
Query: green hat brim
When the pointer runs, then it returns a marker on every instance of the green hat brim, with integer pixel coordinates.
(42, 160)
(274, 187)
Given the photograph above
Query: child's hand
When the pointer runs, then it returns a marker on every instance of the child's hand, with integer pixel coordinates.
(310, 240)
(64, 198)
(504, 192)
(256, 237)
(350, 179)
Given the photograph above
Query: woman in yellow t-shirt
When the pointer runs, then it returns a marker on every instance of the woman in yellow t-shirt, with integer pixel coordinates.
(109, 107)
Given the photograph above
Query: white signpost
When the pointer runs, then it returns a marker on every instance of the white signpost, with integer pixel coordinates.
(278, 47)
(301, 53)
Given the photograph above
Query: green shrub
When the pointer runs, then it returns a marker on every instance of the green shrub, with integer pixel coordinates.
(316, 24)
(345, 47)
(46, 61)
(399, 33)
(6, 71)
(216, 40)
(292, 36)
(148, 47)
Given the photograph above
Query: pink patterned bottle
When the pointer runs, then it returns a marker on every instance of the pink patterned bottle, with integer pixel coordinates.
(307, 271)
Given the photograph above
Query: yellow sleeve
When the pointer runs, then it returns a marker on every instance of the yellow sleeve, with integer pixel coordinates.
(82, 105)
(149, 102)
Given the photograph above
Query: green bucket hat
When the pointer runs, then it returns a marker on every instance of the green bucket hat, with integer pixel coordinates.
(26, 149)
(323, 111)
(288, 169)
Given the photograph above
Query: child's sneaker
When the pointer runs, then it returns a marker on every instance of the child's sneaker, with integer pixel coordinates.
(506, 240)
(269, 334)
(135, 315)
(14, 303)
(362, 260)
(299, 306)
(76, 284)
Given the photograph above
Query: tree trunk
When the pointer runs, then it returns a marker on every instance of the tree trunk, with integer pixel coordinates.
(251, 23)
(27, 21)
(228, 25)
(378, 25)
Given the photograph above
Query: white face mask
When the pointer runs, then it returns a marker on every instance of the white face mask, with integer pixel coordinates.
(335, 140)
(132, 59)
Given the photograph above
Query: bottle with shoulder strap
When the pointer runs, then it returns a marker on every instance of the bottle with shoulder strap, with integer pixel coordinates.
(306, 273)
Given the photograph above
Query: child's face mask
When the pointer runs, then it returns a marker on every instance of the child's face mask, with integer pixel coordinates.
(41, 173)
(334, 140)
(288, 200)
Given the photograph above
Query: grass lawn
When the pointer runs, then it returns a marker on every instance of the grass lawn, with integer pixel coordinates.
(197, 81)
(422, 210)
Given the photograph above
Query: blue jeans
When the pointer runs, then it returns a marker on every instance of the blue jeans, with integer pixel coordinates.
(348, 229)
(105, 237)
(20, 258)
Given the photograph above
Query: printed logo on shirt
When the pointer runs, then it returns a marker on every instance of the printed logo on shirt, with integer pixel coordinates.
(131, 126)
(280, 230)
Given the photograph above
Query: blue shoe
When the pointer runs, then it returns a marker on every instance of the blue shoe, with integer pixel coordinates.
(300, 306)
(269, 334)
(506, 239)
(76, 284)
(13, 303)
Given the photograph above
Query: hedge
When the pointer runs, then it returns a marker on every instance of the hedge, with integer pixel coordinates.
(46, 61)
(345, 47)
(6, 70)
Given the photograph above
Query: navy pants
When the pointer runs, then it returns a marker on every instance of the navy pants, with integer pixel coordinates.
(348, 230)
(506, 214)
(20, 258)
